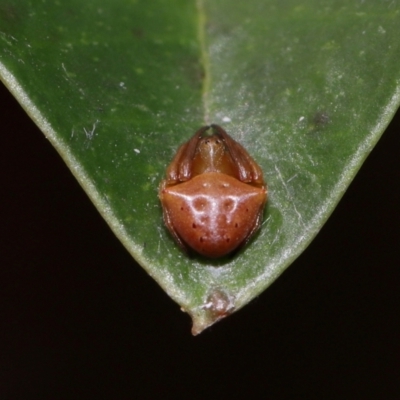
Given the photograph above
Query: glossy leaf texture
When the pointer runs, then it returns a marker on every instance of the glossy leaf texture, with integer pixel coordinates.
(307, 87)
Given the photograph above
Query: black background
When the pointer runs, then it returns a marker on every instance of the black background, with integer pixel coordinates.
(80, 319)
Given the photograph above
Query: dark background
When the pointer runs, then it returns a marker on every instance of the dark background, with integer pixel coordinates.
(80, 319)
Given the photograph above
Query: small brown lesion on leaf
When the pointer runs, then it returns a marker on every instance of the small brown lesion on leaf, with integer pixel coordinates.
(218, 304)
(321, 118)
(318, 121)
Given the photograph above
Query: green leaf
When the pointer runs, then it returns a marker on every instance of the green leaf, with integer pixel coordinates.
(117, 86)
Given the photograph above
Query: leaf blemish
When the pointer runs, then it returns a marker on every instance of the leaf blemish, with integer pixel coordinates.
(89, 134)
(218, 305)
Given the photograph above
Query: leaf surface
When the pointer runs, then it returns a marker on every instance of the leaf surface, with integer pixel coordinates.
(117, 86)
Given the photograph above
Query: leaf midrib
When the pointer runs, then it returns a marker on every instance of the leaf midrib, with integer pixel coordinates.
(204, 60)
